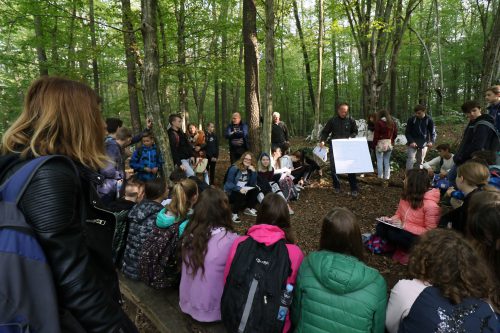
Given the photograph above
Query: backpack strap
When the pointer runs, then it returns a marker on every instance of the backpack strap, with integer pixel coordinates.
(13, 189)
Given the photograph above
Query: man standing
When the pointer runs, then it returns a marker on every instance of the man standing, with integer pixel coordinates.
(279, 134)
(341, 126)
(237, 134)
(420, 134)
(181, 150)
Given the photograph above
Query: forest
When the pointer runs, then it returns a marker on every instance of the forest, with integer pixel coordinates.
(207, 59)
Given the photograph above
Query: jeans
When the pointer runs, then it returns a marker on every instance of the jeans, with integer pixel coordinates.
(187, 168)
(395, 236)
(353, 182)
(415, 155)
(452, 175)
(384, 164)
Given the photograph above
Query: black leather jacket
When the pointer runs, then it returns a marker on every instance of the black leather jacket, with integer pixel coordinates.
(57, 205)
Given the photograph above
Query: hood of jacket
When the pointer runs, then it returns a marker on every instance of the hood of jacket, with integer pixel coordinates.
(266, 233)
(484, 117)
(433, 195)
(144, 209)
(341, 273)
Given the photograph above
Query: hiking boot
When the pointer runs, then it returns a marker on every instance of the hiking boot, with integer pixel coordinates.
(354, 194)
(336, 190)
(236, 218)
(250, 212)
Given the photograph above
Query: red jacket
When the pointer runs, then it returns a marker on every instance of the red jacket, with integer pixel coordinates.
(382, 131)
(270, 234)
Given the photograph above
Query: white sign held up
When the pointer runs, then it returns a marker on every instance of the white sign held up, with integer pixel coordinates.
(352, 155)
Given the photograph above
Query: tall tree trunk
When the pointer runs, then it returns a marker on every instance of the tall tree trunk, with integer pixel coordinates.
(130, 45)
(151, 79)
(180, 14)
(164, 88)
(335, 71)
(317, 109)
(252, 100)
(491, 53)
(285, 91)
(266, 130)
(224, 86)
(93, 41)
(55, 50)
(306, 56)
(439, 87)
(236, 94)
(218, 124)
(71, 38)
(40, 46)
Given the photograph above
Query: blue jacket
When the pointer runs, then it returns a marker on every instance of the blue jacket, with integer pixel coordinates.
(233, 174)
(238, 138)
(420, 131)
(114, 171)
(494, 111)
(146, 157)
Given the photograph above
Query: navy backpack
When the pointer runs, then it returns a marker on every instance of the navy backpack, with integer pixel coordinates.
(28, 300)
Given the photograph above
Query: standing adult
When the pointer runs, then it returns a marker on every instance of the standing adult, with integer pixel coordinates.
(479, 134)
(62, 117)
(279, 133)
(237, 134)
(492, 96)
(384, 135)
(420, 134)
(181, 149)
(340, 126)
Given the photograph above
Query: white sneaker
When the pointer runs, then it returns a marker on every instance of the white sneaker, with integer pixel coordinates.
(236, 218)
(250, 212)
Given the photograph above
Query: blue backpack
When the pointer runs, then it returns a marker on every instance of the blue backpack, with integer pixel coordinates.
(28, 300)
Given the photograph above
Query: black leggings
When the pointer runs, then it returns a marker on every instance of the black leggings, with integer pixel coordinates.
(396, 236)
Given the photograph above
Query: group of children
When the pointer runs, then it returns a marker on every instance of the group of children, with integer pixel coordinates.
(332, 289)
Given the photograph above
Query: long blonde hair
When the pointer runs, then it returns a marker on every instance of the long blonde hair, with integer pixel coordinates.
(183, 194)
(60, 116)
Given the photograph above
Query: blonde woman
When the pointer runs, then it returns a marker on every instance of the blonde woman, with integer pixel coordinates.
(62, 117)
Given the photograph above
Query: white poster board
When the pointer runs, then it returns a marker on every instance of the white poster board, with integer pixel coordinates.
(352, 155)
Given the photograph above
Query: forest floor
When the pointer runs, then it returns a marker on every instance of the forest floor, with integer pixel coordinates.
(318, 198)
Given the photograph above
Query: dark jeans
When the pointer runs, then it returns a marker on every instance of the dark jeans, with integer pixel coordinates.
(211, 171)
(240, 201)
(353, 182)
(235, 153)
(395, 236)
(452, 176)
(301, 172)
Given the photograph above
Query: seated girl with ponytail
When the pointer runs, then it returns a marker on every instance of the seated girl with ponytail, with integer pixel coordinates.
(184, 196)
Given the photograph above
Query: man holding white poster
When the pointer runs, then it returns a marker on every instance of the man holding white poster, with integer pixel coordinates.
(340, 126)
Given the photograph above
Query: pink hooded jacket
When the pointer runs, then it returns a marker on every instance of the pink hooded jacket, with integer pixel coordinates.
(417, 221)
(269, 234)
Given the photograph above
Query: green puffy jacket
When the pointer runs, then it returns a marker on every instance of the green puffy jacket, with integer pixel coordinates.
(338, 293)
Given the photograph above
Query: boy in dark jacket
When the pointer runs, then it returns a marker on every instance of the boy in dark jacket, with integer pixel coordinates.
(146, 160)
(212, 150)
(420, 134)
(340, 126)
(182, 150)
(480, 134)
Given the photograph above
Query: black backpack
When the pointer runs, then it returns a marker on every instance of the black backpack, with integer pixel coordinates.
(159, 258)
(254, 286)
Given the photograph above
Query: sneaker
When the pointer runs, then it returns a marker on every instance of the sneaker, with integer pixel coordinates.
(250, 212)
(354, 194)
(290, 211)
(236, 218)
(336, 190)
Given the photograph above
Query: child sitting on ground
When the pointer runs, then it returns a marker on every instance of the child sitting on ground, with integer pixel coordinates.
(353, 299)
(146, 160)
(472, 177)
(141, 220)
(439, 167)
(417, 212)
(205, 247)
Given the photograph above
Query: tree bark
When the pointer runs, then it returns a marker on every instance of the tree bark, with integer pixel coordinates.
(180, 14)
(491, 53)
(236, 94)
(335, 71)
(306, 56)
(130, 45)
(93, 41)
(267, 121)
(317, 109)
(40, 46)
(252, 99)
(71, 38)
(151, 79)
